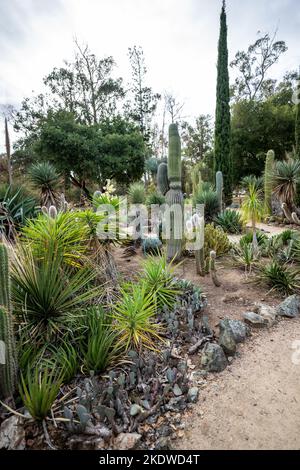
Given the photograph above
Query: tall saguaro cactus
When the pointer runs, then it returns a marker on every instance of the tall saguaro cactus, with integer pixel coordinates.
(8, 363)
(174, 197)
(269, 164)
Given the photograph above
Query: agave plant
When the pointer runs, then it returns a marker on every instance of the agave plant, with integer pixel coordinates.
(286, 177)
(230, 221)
(252, 180)
(134, 318)
(47, 295)
(136, 193)
(210, 201)
(45, 178)
(15, 208)
(243, 256)
(280, 277)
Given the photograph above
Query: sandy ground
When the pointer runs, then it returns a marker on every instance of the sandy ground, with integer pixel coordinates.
(253, 404)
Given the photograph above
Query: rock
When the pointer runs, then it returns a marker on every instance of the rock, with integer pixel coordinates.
(83, 443)
(239, 329)
(290, 307)
(177, 390)
(226, 339)
(12, 434)
(127, 440)
(163, 444)
(135, 410)
(213, 358)
(268, 313)
(255, 320)
(165, 431)
(192, 395)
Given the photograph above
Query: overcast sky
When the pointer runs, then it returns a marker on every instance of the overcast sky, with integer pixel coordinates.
(179, 38)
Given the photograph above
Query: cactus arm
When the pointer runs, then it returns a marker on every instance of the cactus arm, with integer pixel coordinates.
(162, 179)
(219, 189)
(212, 268)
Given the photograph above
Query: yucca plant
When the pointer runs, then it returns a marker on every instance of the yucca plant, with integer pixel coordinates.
(286, 178)
(65, 235)
(261, 237)
(45, 179)
(134, 318)
(244, 257)
(252, 180)
(230, 221)
(280, 277)
(210, 201)
(39, 390)
(16, 206)
(158, 277)
(253, 210)
(155, 198)
(63, 357)
(136, 193)
(47, 295)
(100, 348)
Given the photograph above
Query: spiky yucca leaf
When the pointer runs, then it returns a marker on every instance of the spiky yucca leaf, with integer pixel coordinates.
(136, 193)
(230, 221)
(45, 178)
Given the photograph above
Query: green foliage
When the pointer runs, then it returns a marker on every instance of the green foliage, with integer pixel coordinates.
(45, 178)
(162, 178)
(222, 122)
(65, 235)
(100, 348)
(39, 390)
(136, 193)
(211, 203)
(48, 295)
(256, 181)
(134, 317)
(8, 370)
(243, 255)
(15, 208)
(248, 238)
(280, 277)
(230, 221)
(151, 246)
(158, 277)
(252, 206)
(286, 177)
(215, 239)
(268, 181)
(155, 199)
(297, 121)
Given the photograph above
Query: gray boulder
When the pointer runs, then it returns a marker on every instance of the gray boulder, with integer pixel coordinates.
(227, 341)
(255, 320)
(213, 358)
(290, 307)
(268, 313)
(238, 328)
(12, 434)
(127, 441)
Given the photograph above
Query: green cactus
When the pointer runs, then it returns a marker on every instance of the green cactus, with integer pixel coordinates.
(162, 178)
(8, 367)
(174, 197)
(269, 164)
(197, 181)
(219, 189)
(212, 268)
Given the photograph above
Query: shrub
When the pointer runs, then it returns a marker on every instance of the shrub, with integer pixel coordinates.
(157, 276)
(230, 221)
(99, 346)
(280, 277)
(134, 317)
(211, 203)
(136, 193)
(215, 239)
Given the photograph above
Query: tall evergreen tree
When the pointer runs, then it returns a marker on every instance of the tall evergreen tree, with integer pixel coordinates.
(297, 127)
(222, 125)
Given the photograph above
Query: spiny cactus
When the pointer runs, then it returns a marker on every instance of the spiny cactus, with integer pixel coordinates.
(197, 182)
(174, 196)
(219, 189)
(268, 181)
(51, 212)
(212, 268)
(8, 366)
(162, 178)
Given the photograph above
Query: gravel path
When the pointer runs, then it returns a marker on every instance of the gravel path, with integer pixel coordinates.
(255, 403)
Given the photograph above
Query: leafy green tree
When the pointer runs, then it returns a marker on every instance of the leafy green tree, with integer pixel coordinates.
(222, 124)
(197, 139)
(252, 82)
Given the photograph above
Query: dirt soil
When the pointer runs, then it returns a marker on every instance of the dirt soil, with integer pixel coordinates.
(255, 402)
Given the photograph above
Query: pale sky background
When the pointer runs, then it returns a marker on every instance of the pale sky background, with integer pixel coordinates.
(179, 38)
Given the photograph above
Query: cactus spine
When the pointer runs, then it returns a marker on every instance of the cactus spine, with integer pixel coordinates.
(162, 178)
(174, 197)
(219, 189)
(268, 181)
(8, 366)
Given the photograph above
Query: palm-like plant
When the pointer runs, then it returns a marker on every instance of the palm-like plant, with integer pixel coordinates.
(134, 318)
(253, 211)
(47, 295)
(286, 177)
(45, 178)
(136, 193)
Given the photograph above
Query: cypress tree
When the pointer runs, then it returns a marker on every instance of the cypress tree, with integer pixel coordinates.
(222, 125)
(297, 126)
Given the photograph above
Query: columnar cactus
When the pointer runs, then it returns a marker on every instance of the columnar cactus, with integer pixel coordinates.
(268, 181)
(196, 180)
(8, 363)
(219, 189)
(162, 178)
(212, 268)
(174, 197)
